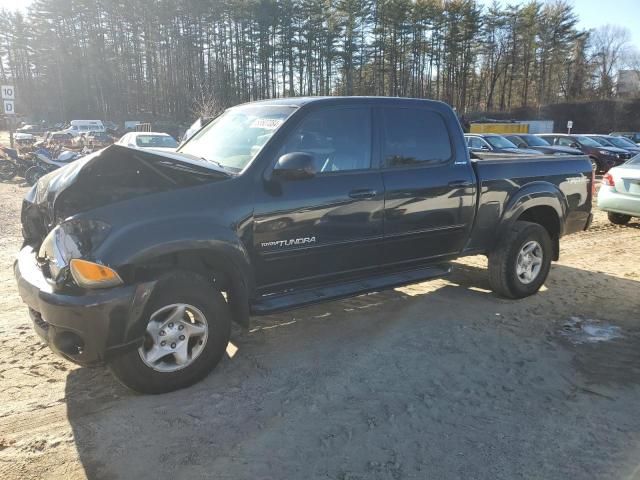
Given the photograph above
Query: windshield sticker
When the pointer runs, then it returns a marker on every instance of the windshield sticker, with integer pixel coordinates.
(268, 123)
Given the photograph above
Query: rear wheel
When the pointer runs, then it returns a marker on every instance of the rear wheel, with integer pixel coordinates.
(187, 325)
(618, 218)
(8, 170)
(520, 263)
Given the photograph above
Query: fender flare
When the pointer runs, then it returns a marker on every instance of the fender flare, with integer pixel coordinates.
(145, 241)
(536, 194)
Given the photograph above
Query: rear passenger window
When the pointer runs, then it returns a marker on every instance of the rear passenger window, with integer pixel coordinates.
(414, 137)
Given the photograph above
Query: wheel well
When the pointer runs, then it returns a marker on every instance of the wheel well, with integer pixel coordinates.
(217, 269)
(548, 218)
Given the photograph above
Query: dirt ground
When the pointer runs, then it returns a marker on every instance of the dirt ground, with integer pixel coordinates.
(438, 380)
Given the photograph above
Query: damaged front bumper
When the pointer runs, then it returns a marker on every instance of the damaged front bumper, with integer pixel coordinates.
(88, 328)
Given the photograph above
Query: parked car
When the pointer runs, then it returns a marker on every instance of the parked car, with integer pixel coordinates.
(633, 136)
(533, 142)
(619, 142)
(491, 142)
(619, 194)
(276, 204)
(155, 140)
(602, 158)
(24, 139)
(31, 130)
(60, 138)
(98, 139)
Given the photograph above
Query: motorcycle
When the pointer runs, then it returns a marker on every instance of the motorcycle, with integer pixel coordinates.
(14, 164)
(45, 163)
(9, 164)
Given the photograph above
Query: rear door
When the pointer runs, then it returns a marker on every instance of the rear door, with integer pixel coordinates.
(330, 226)
(430, 189)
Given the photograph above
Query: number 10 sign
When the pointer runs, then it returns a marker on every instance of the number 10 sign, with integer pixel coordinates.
(8, 96)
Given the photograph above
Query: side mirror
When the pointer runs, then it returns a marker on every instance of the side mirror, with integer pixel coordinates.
(294, 166)
(484, 148)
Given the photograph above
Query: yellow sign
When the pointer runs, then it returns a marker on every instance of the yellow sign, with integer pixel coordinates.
(499, 128)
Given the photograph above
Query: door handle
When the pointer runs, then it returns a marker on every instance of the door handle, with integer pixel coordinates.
(362, 194)
(460, 184)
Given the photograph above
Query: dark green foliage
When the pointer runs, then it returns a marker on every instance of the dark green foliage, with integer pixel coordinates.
(174, 59)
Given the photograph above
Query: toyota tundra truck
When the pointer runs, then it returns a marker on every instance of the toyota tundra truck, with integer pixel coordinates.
(141, 260)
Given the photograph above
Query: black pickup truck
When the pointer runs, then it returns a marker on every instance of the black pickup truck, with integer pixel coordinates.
(141, 260)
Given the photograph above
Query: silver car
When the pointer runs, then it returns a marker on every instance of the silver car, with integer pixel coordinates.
(620, 192)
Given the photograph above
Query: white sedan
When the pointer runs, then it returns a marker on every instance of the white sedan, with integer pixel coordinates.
(619, 194)
(153, 140)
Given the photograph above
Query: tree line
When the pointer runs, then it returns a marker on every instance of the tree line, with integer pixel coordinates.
(174, 59)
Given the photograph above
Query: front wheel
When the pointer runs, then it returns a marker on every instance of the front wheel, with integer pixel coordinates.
(520, 263)
(8, 170)
(187, 328)
(619, 218)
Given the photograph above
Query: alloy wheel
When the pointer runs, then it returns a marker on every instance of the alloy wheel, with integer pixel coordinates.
(176, 336)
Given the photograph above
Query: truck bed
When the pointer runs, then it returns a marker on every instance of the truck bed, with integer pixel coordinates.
(500, 177)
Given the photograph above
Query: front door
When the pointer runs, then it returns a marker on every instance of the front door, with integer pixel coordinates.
(430, 188)
(329, 226)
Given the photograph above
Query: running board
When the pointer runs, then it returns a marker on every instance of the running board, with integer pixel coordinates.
(300, 298)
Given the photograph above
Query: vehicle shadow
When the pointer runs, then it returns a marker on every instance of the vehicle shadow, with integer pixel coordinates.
(329, 390)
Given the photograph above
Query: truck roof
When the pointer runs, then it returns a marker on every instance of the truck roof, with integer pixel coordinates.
(300, 101)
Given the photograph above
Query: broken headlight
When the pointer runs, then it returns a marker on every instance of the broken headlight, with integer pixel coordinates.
(71, 239)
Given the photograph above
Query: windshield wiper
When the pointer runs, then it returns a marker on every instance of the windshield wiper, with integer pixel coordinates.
(215, 162)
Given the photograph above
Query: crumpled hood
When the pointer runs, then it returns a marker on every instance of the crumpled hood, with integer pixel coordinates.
(111, 175)
(52, 184)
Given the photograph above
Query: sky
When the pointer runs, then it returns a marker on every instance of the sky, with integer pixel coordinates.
(592, 13)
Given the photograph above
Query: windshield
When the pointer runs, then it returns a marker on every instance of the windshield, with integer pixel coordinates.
(534, 141)
(634, 161)
(588, 142)
(156, 141)
(234, 139)
(499, 142)
(622, 142)
(602, 141)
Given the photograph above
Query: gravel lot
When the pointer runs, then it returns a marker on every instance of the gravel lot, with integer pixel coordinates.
(437, 380)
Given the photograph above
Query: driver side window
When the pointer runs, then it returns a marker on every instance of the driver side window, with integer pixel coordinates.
(338, 139)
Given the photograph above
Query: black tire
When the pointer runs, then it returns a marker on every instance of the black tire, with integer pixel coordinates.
(33, 174)
(8, 170)
(618, 218)
(179, 287)
(503, 275)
